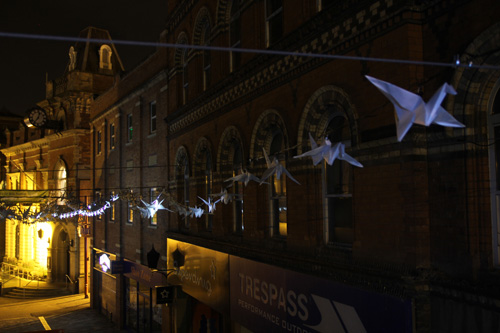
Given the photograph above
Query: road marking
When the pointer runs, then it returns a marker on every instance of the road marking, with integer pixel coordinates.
(44, 323)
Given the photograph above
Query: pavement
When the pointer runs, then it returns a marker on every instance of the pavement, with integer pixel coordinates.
(66, 314)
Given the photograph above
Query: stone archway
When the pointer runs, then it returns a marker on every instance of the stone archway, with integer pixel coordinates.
(60, 255)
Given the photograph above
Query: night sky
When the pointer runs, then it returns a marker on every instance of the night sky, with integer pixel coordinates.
(25, 62)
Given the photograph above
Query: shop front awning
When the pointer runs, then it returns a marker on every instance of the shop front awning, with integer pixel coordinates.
(11, 197)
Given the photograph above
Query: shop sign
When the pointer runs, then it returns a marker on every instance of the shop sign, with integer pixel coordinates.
(266, 298)
(164, 295)
(102, 261)
(143, 274)
(201, 272)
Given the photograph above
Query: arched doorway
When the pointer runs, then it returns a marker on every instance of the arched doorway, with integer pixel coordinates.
(60, 256)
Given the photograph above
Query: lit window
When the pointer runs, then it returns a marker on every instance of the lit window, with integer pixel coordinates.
(274, 21)
(129, 127)
(111, 136)
(130, 214)
(278, 193)
(208, 187)
(235, 35)
(112, 209)
(62, 182)
(98, 202)
(153, 195)
(105, 57)
(152, 117)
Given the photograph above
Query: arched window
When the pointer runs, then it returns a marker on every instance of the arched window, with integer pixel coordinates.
(105, 57)
(185, 189)
(494, 156)
(337, 184)
(185, 77)
(208, 186)
(207, 60)
(274, 21)
(61, 177)
(237, 189)
(278, 191)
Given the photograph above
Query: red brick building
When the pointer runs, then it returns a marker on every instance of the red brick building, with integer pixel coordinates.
(46, 168)
(403, 244)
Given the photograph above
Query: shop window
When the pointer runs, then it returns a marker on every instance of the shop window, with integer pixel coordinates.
(337, 184)
(152, 117)
(235, 34)
(274, 21)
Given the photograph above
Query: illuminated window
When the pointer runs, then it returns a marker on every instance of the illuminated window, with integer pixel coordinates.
(97, 198)
(105, 57)
(278, 192)
(61, 179)
(152, 117)
(111, 136)
(112, 209)
(235, 34)
(153, 195)
(237, 188)
(130, 214)
(274, 21)
(337, 182)
(129, 127)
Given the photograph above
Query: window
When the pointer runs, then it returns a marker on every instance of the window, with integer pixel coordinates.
(238, 223)
(130, 214)
(129, 127)
(235, 35)
(153, 195)
(152, 117)
(62, 181)
(337, 182)
(185, 78)
(494, 157)
(99, 142)
(278, 193)
(111, 136)
(207, 61)
(186, 190)
(112, 209)
(208, 187)
(105, 57)
(98, 202)
(274, 21)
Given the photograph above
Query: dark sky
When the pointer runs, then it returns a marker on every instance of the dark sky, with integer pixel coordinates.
(25, 62)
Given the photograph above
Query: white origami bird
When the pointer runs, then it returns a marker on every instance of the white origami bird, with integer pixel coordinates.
(196, 211)
(244, 177)
(225, 197)
(210, 204)
(410, 108)
(328, 153)
(275, 167)
(153, 207)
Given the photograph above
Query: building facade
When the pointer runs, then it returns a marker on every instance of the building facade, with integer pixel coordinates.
(402, 241)
(46, 170)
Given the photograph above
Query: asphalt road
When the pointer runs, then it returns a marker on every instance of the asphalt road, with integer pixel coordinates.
(68, 313)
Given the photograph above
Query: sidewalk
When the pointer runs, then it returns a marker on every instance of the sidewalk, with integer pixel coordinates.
(69, 313)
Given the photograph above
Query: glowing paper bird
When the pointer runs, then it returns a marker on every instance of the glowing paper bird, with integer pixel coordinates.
(210, 204)
(275, 167)
(410, 108)
(328, 152)
(244, 177)
(225, 197)
(196, 211)
(154, 207)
